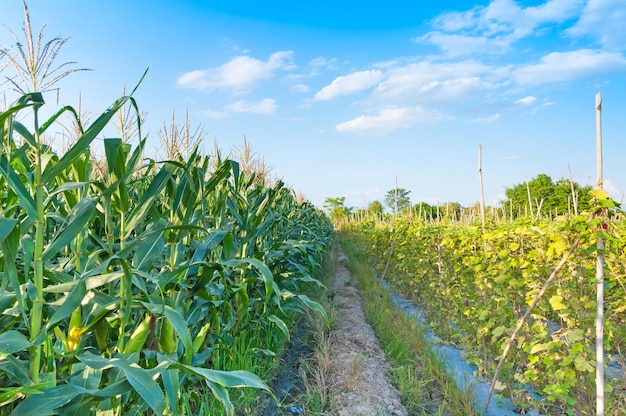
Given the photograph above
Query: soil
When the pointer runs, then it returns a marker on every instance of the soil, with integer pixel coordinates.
(359, 385)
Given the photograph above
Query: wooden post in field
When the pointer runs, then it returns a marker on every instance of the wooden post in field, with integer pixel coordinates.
(599, 274)
(574, 196)
(480, 179)
(396, 197)
(530, 201)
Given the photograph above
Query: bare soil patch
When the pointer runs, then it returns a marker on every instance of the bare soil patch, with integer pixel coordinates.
(358, 377)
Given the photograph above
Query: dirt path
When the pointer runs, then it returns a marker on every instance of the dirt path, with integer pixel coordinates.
(359, 385)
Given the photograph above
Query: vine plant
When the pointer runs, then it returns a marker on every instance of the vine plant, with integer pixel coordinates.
(487, 291)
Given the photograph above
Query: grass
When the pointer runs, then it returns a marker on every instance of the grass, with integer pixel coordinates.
(317, 367)
(417, 373)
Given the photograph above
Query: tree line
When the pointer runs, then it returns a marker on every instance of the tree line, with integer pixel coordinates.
(540, 195)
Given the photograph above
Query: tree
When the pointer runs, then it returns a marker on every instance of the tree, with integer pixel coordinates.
(375, 207)
(546, 195)
(397, 199)
(336, 208)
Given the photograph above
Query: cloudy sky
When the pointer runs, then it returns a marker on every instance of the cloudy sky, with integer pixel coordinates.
(345, 99)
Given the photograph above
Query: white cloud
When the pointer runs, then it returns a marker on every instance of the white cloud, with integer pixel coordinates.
(526, 100)
(216, 114)
(566, 66)
(389, 119)
(430, 83)
(487, 120)
(542, 106)
(300, 88)
(494, 28)
(350, 84)
(604, 20)
(266, 106)
(458, 44)
(239, 74)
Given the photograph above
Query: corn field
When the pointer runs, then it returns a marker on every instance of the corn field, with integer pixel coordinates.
(131, 289)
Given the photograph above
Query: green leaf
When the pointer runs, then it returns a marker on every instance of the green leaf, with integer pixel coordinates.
(229, 379)
(6, 226)
(47, 402)
(139, 379)
(575, 335)
(171, 383)
(18, 187)
(498, 331)
(280, 324)
(222, 395)
(538, 348)
(150, 248)
(582, 364)
(147, 199)
(79, 218)
(13, 341)
(311, 304)
(52, 171)
(265, 273)
(556, 302)
(178, 322)
(69, 305)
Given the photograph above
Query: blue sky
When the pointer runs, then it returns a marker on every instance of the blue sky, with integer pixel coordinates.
(342, 98)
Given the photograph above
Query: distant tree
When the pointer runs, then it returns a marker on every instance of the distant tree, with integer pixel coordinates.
(424, 210)
(451, 209)
(547, 195)
(335, 207)
(397, 199)
(375, 207)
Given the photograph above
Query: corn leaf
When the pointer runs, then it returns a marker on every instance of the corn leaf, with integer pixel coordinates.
(18, 187)
(69, 305)
(139, 379)
(80, 216)
(178, 322)
(280, 324)
(47, 402)
(12, 342)
(84, 141)
(6, 226)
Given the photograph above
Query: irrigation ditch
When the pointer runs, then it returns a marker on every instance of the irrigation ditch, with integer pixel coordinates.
(457, 366)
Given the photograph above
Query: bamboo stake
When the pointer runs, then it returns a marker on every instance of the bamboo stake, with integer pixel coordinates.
(480, 179)
(396, 197)
(526, 315)
(600, 245)
(574, 196)
(530, 201)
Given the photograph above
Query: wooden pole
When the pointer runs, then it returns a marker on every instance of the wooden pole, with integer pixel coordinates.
(574, 196)
(480, 179)
(396, 197)
(600, 245)
(530, 201)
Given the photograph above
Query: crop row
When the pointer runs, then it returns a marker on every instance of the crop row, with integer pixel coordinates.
(476, 284)
(132, 290)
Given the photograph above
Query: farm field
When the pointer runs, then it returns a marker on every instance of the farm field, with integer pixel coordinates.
(172, 280)
(135, 286)
(476, 284)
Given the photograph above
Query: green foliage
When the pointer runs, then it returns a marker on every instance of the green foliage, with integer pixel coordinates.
(375, 207)
(476, 284)
(336, 208)
(547, 196)
(124, 292)
(397, 199)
